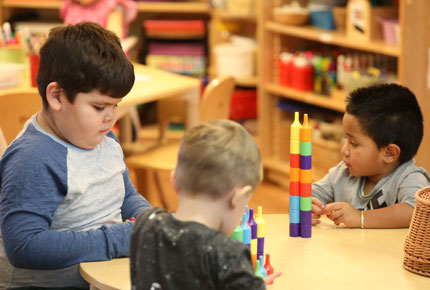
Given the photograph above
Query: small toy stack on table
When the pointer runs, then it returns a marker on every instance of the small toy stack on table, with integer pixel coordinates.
(251, 232)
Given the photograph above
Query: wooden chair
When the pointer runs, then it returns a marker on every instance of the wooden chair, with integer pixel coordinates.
(215, 104)
(16, 107)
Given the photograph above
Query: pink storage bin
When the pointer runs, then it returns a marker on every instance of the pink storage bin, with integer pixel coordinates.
(179, 49)
(390, 30)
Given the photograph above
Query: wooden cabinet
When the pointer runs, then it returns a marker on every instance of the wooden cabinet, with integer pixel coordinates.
(412, 56)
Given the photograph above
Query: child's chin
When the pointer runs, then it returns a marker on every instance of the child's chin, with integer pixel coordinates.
(352, 173)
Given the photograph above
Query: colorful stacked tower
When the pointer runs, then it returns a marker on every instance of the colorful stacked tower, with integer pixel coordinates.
(295, 177)
(305, 179)
(300, 178)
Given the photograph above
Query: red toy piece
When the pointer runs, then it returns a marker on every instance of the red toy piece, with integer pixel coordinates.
(268, 267)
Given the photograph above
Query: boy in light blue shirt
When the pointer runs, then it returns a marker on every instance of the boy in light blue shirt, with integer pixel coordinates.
(375, 184)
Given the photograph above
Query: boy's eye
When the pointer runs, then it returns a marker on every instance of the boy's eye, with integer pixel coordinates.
(98, 108)
(347, 139)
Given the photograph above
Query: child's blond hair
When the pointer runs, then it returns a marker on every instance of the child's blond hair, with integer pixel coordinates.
(216, 156)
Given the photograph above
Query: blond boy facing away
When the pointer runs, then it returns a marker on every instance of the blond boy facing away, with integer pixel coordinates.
(218, 168)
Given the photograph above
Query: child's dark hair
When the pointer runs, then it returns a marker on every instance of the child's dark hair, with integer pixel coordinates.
(389, 114)
(82, 58)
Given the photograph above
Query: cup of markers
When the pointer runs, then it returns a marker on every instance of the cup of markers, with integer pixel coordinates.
(34, 43)
(21, 46)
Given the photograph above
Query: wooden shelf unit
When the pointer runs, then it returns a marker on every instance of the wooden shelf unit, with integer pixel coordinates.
(46, 4)
(272, 34)
(327, 102)
(333, 38)
(223, 15)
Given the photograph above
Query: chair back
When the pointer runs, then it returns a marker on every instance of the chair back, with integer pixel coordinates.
(216, 99)
(16, 107)
(215, 104)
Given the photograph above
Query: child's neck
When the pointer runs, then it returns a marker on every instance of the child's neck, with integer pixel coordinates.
(202, 210)
(47, 124)
(371, 181)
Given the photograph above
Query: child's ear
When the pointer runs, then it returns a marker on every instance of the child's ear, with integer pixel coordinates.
(53, 96)
(173, 180)
(391, 153)
(240, 196)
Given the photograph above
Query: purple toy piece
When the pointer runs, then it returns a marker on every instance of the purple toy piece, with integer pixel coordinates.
(305, 162)
(294, 230)
(252, 224)
(306, 231)
(306, 218)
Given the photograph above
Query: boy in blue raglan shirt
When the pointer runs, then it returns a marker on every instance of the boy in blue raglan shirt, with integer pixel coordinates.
(65, 188)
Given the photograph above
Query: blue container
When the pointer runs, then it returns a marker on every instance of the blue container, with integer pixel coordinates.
(323, 19)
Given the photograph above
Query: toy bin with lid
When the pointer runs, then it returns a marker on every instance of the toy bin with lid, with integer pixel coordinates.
(235, 60)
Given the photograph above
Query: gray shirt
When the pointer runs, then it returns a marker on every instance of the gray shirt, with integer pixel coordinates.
(399, 186)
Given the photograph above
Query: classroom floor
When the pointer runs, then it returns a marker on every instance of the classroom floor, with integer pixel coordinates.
(273, 198)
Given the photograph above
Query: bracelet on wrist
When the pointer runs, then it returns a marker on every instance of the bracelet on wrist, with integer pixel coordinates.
(362, 218)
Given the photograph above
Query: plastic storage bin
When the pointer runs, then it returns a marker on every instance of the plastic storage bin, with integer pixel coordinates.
(322, 16)
(235, 60)
(243, 105)
(390, 31)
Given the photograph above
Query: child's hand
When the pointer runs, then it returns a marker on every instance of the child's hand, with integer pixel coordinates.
(343, 212)
(317, 210)
(269, 279)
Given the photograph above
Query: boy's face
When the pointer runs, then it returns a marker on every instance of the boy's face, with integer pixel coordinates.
(360, 153)
(85, 122)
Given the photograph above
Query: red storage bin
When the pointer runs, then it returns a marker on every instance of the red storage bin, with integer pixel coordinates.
(182, 27)
(243, 105)
(286, 69)
(303, 74)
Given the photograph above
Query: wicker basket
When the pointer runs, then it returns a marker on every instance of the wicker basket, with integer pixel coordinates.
(417, 244)
(291, 19)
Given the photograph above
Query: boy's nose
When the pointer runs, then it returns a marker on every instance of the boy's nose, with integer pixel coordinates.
(344, 150)
(110, 115)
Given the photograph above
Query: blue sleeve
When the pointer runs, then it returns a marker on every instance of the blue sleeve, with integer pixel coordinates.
(134, 203)
(32, 185)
